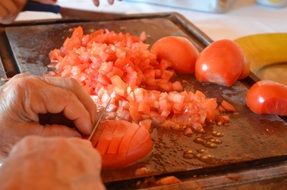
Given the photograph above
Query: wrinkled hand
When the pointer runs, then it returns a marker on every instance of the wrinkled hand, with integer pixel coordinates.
(24, 97)
(9, 9)
(52, 163)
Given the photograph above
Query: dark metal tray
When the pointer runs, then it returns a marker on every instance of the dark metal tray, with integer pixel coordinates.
(249, 140)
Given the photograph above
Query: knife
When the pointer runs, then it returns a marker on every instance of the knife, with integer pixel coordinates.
(102, 113)
(36, 6)
(69, 13)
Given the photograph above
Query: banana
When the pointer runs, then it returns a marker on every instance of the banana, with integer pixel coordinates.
(266, 55)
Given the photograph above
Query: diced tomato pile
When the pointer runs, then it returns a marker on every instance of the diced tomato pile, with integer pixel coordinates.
(120, 69)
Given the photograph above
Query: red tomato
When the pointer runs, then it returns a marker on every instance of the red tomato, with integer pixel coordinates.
(222, 62)
(227, 106)
(179, 51)
(246, 69)
(211, 106)
(75, 40)
(267, 97)
(121, 143)
(120, 67)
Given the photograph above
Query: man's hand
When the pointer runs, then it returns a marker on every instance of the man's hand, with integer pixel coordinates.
(52, 163)
(9, 9)
(24, 97)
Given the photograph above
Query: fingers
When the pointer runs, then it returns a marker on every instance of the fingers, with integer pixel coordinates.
(3, 13)
(57, 100)
(65, 163)
(74, 86)
(56, 96)
(74, 149)
(9, 9)
(20, 3)
(59, 130)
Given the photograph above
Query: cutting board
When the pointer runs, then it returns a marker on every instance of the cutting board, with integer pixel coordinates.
(249, 139)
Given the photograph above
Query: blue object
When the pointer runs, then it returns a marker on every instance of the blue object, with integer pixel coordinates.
(35, 6)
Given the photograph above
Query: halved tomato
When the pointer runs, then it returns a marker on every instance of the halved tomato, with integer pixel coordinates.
(222, 62)
(267, 97)
(121, 143)
(179, 51)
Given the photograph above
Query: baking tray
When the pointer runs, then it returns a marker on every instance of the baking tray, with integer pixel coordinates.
(248, 140)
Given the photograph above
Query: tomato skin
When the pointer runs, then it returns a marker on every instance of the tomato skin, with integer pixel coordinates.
(122, 143)
(246, 69)
(222, 62)
(267, 97)
(179, 51)
(227, 106)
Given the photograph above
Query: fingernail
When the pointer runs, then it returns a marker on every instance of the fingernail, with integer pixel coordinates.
(88, 128)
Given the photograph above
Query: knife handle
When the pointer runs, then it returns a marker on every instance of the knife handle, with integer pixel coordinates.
(35, 6)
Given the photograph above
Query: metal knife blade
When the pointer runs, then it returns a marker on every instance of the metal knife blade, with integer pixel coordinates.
(102, 114)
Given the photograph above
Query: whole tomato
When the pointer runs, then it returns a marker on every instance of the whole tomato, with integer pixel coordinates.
(267, 97)
(179, 51)
(222, 62)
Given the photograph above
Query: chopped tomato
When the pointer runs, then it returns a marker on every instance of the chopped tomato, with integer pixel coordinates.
(179, 51)
(222, 62)
(138, 85)
(227, 106)
(120, 85)
(121, 143)
(222, 119)
(75, 41)
(120, 67)
(145, 123)
(267, 97)
(177, 86)
(212, 112)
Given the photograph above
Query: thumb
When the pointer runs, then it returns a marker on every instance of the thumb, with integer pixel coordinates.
(59, 130)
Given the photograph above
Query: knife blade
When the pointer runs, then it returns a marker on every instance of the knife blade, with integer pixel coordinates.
(102, 114)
